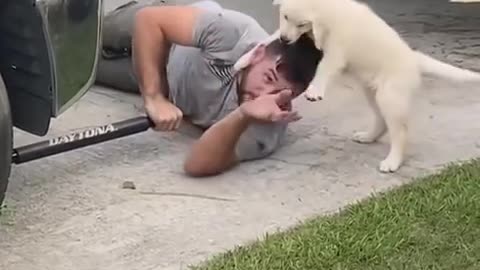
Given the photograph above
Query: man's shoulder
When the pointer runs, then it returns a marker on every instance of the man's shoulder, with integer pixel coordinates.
(235, 17)
(241, 19)
(246, 23)
(227, 29)
(238, 17)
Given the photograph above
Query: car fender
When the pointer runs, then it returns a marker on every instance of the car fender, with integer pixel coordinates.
(5, 140)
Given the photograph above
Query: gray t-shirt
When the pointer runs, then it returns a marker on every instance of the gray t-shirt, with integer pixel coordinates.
(202, 81)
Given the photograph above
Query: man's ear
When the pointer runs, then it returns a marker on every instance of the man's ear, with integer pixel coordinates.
(258, 53)
(247, 58)
(252, 57)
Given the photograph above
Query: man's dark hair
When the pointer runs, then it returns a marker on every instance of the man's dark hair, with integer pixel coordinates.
(298, 61)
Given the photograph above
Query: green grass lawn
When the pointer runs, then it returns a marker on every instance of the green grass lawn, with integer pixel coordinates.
(433, 223)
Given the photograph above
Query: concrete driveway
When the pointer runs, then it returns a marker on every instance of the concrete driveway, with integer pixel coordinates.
(70, 212)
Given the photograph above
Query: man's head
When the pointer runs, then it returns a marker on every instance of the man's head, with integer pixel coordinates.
(277, 66)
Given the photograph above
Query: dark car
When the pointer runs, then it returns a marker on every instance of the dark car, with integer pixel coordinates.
(48, 56)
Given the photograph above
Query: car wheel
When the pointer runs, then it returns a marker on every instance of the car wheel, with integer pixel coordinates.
(5, 140)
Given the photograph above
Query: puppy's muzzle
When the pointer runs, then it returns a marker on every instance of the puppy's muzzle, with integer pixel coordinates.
(284, 39)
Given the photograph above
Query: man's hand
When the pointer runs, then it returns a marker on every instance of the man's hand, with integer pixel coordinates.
(271, 108)
(165, 115)
(215, 152)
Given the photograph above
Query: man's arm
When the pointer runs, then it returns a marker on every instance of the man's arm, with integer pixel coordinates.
(156, 28)
(216, 150)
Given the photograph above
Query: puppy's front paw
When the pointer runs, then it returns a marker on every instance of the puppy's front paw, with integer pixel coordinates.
(389, 165)
(363, 137)
(312, 94)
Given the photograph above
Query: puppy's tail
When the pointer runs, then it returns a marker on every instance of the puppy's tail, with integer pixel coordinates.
(429, 65)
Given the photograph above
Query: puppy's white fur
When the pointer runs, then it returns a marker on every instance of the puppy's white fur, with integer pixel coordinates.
(357, 41)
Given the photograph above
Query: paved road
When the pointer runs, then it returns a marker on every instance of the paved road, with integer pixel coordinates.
(71, 213)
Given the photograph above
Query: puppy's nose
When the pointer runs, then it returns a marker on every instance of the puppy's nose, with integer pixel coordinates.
(283, 39)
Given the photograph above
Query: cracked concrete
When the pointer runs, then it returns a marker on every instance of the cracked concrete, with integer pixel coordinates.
(70, 211)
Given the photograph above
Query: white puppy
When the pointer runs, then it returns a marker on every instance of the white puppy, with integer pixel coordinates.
(357, 41)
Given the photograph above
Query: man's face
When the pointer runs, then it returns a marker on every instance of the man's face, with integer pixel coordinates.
(263, 76)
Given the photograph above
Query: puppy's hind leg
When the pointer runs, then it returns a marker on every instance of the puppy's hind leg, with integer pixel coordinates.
(394, 103)
(379, 126)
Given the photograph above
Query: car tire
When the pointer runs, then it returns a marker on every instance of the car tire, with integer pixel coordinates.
(6, 137)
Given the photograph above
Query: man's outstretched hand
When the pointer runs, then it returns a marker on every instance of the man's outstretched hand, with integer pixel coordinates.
(270, 108)
(165, 115)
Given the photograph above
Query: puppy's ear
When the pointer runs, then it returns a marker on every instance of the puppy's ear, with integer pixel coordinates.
(277, 2)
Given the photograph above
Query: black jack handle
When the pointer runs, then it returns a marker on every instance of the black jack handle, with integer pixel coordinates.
(79, 139)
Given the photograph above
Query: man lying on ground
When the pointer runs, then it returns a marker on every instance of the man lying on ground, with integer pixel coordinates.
(182, 61)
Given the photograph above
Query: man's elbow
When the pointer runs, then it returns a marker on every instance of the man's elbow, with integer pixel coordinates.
(200, 169)
(195, 171)
(144, 16)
